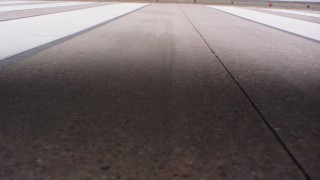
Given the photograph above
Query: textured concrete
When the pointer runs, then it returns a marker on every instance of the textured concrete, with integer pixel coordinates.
(61, 25)
(4, 16)
(141, 97)
(279, 71)
(39, 6)
(25, 3)
(294, 16)
(301, 28)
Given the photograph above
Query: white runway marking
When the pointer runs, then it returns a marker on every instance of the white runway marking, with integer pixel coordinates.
(16, 2)
(19, 35)
(307, 29)
(38, 6)
(295, 12)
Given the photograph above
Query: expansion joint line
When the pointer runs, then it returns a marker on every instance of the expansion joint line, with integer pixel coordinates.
(252, 103)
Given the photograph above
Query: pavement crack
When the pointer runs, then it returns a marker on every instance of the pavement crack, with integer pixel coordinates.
(273, 131)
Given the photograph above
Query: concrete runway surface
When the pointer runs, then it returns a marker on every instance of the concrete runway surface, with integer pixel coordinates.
(158, 91)
(38, 6)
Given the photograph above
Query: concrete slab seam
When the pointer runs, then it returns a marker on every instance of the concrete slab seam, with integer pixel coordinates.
(253, 105)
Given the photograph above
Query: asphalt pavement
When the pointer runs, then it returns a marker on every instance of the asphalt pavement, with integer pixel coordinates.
(169, 91)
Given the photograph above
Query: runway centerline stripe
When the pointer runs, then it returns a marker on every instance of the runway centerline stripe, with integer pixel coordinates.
(303, 28)
(17, 36)
(295, 12)
(39, 6)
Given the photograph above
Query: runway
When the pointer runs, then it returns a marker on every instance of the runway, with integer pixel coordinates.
(20, 36)
(296, 12)
(306, 29)
(38, 6)
(158, 91)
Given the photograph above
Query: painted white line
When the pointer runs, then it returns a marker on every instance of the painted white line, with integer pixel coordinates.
(17, 2)
(295, 12)
(38, 6)
(303, 28)
(19, 35)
